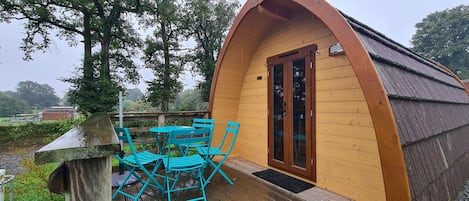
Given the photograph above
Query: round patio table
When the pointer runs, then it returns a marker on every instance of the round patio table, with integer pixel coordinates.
(161, 134)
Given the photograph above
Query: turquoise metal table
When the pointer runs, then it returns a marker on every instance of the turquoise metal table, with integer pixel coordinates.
(161, 134)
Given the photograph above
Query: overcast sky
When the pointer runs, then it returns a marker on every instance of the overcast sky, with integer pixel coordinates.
(395, 19)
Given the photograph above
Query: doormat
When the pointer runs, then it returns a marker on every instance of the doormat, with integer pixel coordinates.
(287, 182)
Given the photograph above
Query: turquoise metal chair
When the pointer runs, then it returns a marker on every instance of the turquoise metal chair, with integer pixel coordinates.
(176, 163)
(137, 161)
(232, 130)
(198, 124)
(204, 123)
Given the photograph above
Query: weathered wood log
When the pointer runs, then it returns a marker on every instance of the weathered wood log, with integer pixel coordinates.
(90, 179)
(86, 152)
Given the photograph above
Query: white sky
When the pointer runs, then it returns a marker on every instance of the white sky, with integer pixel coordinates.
(395, 19)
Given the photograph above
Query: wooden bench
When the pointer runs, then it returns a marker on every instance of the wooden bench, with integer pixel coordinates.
(86, 153)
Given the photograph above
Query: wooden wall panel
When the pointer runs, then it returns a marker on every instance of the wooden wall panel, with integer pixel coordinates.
(349, 143)
(335, 73)
(347, 154)
(340, 95)
(344, 119)
(345, 131)
(337, 84)
(356, 187)
(357, 107)
(327, 62)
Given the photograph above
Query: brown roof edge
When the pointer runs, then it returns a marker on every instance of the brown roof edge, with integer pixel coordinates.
(454, 76)
(392, 159)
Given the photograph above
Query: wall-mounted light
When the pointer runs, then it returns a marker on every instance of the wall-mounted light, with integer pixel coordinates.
(336, 49)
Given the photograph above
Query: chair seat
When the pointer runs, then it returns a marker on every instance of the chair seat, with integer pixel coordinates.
(184, 162)
(144, 158)
(211, 151)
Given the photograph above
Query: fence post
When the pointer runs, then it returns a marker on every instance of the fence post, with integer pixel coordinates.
(161, 120)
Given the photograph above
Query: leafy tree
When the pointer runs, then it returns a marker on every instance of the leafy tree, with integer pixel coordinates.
(207, 21)
(11, 105)
(10, 93)
(140, 106)
(444, 37)
(190, 100)
(161, 53)
(102, 24)
(134, 94)
(37, 95)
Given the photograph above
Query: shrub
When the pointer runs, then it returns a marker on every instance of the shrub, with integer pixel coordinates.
(37, 129)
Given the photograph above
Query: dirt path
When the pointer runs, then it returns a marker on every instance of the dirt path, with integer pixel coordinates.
(13, 152)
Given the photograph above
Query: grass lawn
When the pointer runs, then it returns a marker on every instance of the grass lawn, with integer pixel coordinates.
(31, 185)
(4, 121)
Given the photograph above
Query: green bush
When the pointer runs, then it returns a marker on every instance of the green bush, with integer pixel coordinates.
(37, 129)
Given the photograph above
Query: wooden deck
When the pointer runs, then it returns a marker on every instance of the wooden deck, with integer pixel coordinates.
(246, 187)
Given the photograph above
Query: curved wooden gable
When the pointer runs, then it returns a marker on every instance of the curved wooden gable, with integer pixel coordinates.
(240, 45)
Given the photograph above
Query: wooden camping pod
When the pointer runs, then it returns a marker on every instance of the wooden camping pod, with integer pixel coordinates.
(387, 124)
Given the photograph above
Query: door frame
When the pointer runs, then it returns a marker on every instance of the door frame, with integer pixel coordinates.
(286, 58)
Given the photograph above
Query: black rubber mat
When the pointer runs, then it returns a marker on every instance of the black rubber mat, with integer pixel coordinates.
(287, 182)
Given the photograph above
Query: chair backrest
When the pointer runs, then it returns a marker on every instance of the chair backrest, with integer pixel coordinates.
(125, 137)
(204, 123)
(200, 137)
(232, 128)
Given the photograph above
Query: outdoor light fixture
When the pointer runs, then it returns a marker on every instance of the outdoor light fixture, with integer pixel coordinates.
(336, 49)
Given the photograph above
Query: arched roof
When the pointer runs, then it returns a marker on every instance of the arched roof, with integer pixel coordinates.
(387, 90)
(392, 161)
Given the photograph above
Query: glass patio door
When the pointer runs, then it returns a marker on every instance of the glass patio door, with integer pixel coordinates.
(291, 111)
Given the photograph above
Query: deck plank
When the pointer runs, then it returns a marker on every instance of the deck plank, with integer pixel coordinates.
(246, 187)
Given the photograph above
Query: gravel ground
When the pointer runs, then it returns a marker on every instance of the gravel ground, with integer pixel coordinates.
(12, 153)
(10, 161)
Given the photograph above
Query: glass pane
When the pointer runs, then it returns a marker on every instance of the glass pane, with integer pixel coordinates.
(278, 108)
(299, 112)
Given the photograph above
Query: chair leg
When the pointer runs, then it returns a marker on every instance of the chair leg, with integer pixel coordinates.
(217, 168)
(202, 187)
(168, 190)
(202, 184)
(119, 189)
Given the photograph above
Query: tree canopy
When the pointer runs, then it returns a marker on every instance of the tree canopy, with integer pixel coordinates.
(161, 53)
(104, 28)
(207, 21)
(112, 46)
(134, 94)
(11, 105)
(37, 95)
(444, 37)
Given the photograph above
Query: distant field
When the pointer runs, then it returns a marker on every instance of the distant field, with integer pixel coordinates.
(4, 121)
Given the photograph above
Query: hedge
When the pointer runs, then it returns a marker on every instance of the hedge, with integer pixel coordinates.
(37, 129)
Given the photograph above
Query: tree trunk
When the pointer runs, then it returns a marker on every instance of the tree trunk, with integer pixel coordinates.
(166, 74)
(87, 61)
(105, 46)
